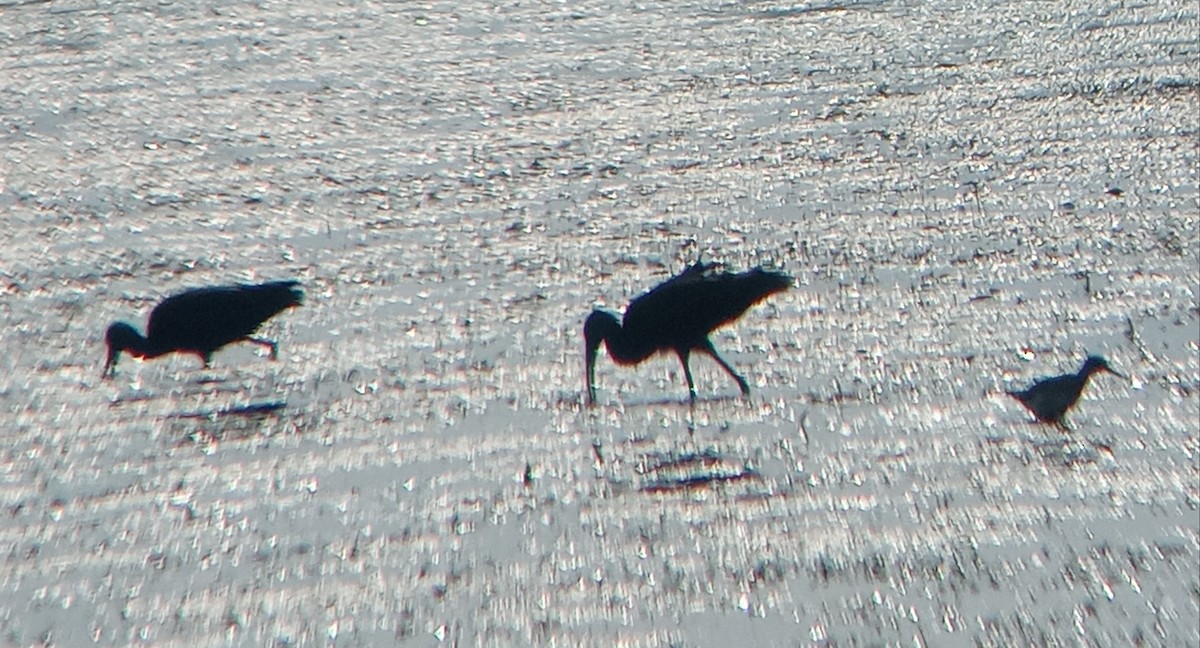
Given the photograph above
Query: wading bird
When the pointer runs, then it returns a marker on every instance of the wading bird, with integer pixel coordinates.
(677, 315)
(202, 320)
(1050, 398)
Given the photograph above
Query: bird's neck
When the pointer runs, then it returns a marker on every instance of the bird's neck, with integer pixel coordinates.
(143, 347)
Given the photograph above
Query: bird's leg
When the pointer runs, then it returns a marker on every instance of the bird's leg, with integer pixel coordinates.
(270, 344)
(708, 348)
(687, 371)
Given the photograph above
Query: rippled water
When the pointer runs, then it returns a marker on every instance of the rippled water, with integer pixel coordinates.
(969, 195)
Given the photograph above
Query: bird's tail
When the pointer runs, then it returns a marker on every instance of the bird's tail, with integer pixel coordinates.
(737, 292)
(278, 295)
(757, 284)
(297, 293)
(771, 281)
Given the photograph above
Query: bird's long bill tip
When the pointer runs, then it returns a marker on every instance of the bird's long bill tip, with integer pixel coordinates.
(1116, 373)
(110, 367)
(589, 375)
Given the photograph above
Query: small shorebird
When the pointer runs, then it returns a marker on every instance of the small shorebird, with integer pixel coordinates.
(1050, 398)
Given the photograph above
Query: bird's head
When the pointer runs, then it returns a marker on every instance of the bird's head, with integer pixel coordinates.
(1096, 364)
(120, 337)
(598, 327)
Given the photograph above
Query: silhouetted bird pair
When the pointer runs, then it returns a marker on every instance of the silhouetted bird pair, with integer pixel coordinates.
(677, 315)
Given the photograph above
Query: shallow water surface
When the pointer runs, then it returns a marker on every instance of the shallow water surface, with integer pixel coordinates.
(970, 196)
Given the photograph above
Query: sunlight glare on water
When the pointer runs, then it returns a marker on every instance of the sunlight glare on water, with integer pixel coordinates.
(963, 211)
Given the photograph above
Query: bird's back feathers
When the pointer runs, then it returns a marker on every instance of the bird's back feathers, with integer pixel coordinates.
(688, 306)
(206, 319)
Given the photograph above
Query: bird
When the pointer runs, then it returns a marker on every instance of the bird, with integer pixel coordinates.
(1050, 398)
(202, 320)
(677, 315)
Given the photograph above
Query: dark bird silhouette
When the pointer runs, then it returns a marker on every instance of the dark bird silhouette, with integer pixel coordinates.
(1050, 398)
(202, 320)
(677, 315)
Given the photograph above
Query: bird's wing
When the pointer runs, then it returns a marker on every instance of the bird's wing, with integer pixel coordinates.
(211, 317)
(1052, 382)
(688, 306)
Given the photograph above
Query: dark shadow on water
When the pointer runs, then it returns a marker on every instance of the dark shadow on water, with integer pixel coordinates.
(254, 409)
(1052, 445)
(825, 7)
(658, 461)
(697, 482)
(684, 401)
(1066, 452)
(672, 472)
(229, 424)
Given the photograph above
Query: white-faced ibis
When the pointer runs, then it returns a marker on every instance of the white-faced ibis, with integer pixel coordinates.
(1050, 398)
(677, 315)
(202, 320)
